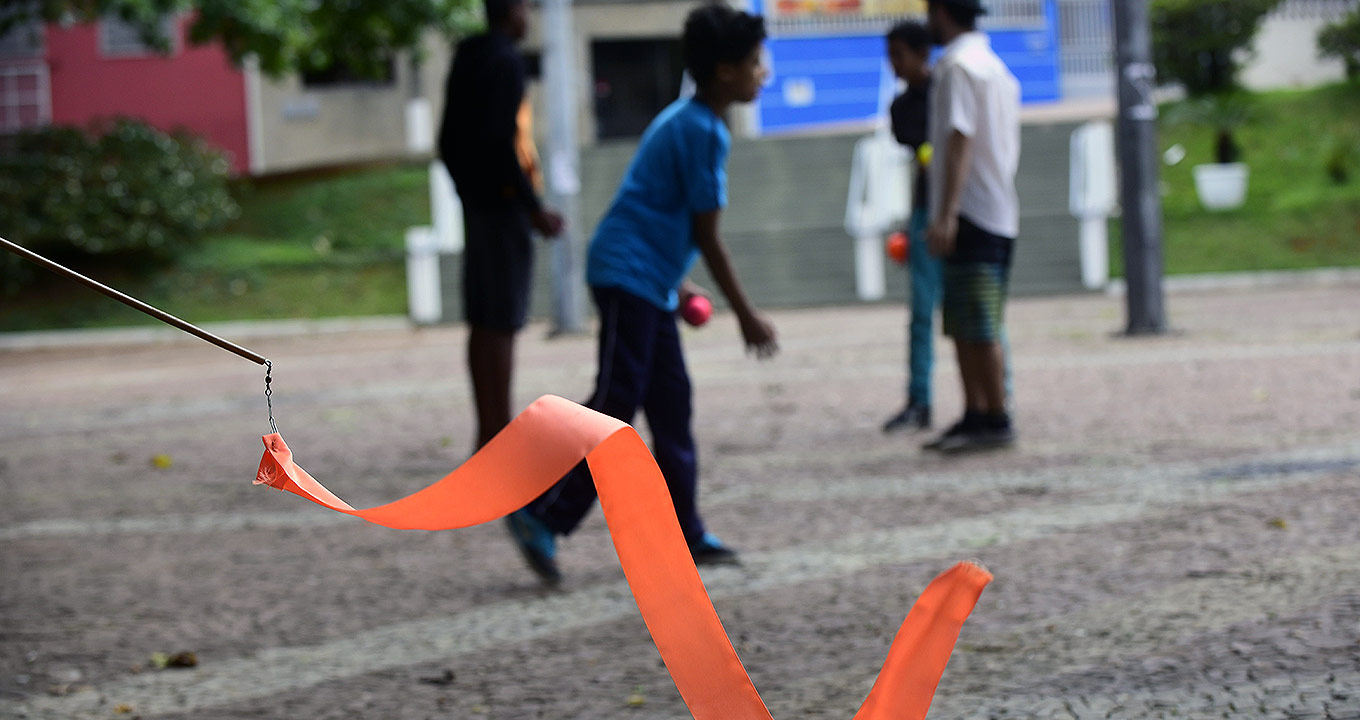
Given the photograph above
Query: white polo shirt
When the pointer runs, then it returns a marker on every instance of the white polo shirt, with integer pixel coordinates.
(974, 93)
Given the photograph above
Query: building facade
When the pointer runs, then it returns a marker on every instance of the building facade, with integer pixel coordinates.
(79, 74)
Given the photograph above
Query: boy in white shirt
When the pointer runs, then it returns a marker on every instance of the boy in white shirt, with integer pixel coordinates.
(975, 214)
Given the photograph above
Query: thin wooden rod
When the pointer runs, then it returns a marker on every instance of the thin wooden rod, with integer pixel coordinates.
(133, 302)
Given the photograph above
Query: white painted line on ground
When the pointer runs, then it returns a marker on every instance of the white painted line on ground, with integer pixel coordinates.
(172, 524)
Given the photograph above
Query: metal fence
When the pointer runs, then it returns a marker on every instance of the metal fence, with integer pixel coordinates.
(1315, 9)
(1017, 14)
(1086, 48)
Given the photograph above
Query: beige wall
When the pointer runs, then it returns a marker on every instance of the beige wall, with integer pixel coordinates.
(1286, 56)
(295, 127)
(607, 21)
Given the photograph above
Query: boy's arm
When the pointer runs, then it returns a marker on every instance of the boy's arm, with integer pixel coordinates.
(504, 106)
(944, 229)
(756, 331)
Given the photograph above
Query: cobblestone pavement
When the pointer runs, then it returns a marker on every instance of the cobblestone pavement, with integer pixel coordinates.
(1175, 536)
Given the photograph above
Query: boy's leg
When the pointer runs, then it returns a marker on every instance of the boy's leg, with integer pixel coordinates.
(975, 306)
(992, 376)
(497, 267)
(925, 297)
(490, 360)
(669, 408)
(628, 328)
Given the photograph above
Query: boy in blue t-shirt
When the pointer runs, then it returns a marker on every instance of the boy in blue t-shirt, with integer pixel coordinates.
(663, 218)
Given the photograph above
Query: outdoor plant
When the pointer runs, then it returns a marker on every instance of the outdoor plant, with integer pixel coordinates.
(1224, 112)
(125, 193)
(1343, 156)
(1201, 44)
(1341, 40)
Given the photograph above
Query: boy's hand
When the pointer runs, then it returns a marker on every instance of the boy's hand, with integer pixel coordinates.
(942, 234)
(759, 335)
(547, 222)
(688, 289)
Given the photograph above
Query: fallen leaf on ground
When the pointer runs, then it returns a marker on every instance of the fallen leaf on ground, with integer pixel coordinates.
(444, 678)
(185, 659)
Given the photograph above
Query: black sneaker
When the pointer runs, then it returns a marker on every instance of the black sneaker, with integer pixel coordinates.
(709, 550)
(536, 543)
(912, 417)
(954, 431)
(981, 437)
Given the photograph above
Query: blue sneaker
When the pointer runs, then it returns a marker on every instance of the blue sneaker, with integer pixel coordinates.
(709, 550)
(536, 543)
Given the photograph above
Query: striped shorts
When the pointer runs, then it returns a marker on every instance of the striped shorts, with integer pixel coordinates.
(975, 300)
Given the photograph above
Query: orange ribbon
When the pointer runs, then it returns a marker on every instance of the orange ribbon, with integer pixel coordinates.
(549, 438)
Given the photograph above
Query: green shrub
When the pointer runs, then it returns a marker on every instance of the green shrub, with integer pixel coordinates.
(1198, 43)
(130, 196)
(1341, 40)
(1343, 155)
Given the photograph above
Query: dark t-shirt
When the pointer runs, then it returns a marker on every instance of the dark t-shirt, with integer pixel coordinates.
(477, 136)
(909, 112)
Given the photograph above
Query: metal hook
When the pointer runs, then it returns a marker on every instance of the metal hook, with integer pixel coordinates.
(268, 394)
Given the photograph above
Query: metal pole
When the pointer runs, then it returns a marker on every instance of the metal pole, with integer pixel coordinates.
(133, 302)
(561, 81)
(1142, 205)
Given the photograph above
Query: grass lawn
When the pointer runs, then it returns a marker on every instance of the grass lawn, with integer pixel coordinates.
(316, 246)
(1295, 215)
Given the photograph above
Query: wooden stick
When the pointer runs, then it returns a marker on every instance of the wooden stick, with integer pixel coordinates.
(133, 302)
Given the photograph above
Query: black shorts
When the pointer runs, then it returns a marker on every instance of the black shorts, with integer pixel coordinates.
(976, 284)
(498, 264)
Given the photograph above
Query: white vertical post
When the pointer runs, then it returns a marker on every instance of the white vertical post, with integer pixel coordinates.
(1093, 194)
(423, 295)
(446, 210)
(869, 267)
(562, 84)
(1095, 252)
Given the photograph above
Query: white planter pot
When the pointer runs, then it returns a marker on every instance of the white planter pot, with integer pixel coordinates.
(1221, 186)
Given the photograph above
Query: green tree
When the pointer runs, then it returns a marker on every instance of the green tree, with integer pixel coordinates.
(1341, 40)
(286, 35)
(1199, 43)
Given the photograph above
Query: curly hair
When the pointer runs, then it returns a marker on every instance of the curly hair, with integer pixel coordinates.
(716, 33)
(912, 34)
(498, 10)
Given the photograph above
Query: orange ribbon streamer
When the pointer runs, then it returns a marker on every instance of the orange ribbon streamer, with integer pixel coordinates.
(548, 439)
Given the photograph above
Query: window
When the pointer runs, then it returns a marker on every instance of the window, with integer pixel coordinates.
(22, 41)
(340, 75)
(119, 38)
(25, 96)
(634, 80)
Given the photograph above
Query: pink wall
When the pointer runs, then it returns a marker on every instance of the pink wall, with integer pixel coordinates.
(196, 87)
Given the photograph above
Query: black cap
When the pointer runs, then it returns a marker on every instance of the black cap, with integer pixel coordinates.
(973, 6)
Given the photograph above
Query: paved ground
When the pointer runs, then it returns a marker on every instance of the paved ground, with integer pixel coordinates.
(1176, 535)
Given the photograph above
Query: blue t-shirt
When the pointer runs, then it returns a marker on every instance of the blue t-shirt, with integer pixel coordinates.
(645, 245)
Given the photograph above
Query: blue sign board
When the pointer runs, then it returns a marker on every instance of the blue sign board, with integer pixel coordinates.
(827, 80)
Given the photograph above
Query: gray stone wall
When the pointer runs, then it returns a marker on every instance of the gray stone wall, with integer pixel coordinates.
(784, 222)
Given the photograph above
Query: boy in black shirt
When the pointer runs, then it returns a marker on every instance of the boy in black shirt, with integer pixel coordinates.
(909, 46)
(500, 206)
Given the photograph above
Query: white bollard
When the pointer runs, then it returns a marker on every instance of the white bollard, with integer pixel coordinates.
(423, 296)
(446, 209)
(870, 283)
(1095, 252)
(1093, 197)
